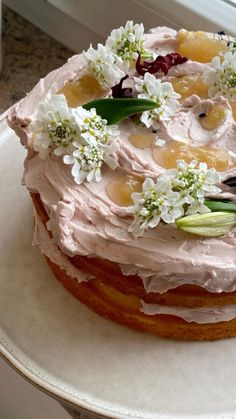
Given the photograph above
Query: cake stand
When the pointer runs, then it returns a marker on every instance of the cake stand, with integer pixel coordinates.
(81, 359)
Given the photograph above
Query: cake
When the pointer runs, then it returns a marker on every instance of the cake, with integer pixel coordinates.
(131, 165)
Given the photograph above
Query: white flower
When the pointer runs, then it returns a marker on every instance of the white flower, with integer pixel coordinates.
(92, 127)
(93, 146)
(163, 93)
(177, 192)
(87, 161)
(80, 133)
(104, 65)
(156, 202)
(194, 181)
(54, 127)
(127, 42)
(221, 77)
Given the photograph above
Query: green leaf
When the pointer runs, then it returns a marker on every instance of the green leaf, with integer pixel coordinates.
(114, 110)
(212, 224)
(220, 205)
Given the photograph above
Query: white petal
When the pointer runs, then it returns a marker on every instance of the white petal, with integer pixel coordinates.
(75, 169)
(90, 176)
(148, 184)
(68, 159)
(155, 221)
(163, 184)
(98, 175)
(168, 218)
(203, 166)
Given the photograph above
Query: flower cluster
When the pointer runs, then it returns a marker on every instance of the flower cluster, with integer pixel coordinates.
(178, 192)
(127, 42)
(54, 128)
(93, 129)
(81, 135)
(108, 63)
(88, 159)
(156, 202)
(104, 65)
(221, 77)
(163, 93)
(193, 181)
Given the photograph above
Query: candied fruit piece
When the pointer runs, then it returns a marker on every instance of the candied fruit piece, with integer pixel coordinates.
(198, 46)
(214, 117)
(142, 140)
(81, 91)
(190, 85)
(120, 190)
(214, 157)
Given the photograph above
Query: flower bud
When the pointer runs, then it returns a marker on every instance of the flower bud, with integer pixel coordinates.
(213, 224)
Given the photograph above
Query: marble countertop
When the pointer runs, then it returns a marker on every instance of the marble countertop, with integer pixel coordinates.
(28, 54)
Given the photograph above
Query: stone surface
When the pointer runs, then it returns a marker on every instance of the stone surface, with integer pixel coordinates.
(28, 55)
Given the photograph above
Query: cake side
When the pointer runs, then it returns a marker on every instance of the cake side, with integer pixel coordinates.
(91, 220)
(106, 299)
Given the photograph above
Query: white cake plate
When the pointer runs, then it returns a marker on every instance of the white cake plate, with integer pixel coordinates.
(87, 361)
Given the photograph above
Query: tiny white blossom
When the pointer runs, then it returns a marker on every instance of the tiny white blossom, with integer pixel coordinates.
(152, 88)
(157, 202)
(92, 127)
(87, 161)
(193, 181)
(81, 134)
(221, 77)
(104, 65)
(127, 42)
(93, 147)
(54, 128)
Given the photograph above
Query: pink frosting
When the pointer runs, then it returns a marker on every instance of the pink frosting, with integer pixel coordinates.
(84, 221)
(50, 249)
(200, 315)
(185, 124)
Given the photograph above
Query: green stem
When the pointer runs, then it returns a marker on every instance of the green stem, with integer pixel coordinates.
(214, 205)
(147, 55)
